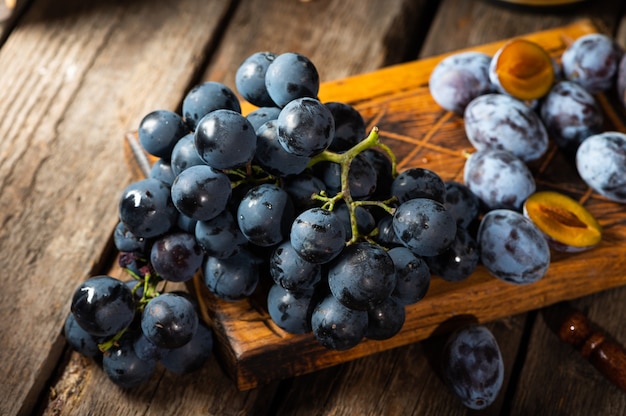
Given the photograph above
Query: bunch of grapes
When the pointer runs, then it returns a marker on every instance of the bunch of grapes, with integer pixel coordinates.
(295, 201)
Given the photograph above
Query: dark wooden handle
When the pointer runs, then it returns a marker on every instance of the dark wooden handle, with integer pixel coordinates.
(606, 355)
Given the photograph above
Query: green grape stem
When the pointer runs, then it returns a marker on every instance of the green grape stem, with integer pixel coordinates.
(344, 160)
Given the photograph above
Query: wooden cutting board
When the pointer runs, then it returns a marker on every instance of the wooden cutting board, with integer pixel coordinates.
(254, 351)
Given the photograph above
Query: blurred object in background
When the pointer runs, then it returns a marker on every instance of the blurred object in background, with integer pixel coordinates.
(7, 7)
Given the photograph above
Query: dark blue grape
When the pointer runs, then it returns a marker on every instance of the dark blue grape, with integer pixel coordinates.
(291, 311)
(79, 339)
(225, 139)
(386, 235)
(362, 177)
(125, 240)
(601, 163)
(145, 350)
(201, 192)
(159, 131)
(169, 320)
(349, 126)
(162, 170)
(424, 226)
(459, 260)
(289, 270)
(207, 97)
(512, 248)
(318, 235)
(272, 156)
(233, 278)
(472, 366)
(301, 189)
(265, 215)
(124, 368)
(186, 224)
(103, 306)
(185, 154)
(191, 356)
(336, 326)
(498, 178)
(364, 219)
(384, 175)
(305, 127)
(291, 76)
(176, 256)
(461, 203)
(412, 276)
(362, 276)
(146, 208)
(220, 236)
(250, 78)
(385, 320)
(262, 115)
(418, 183)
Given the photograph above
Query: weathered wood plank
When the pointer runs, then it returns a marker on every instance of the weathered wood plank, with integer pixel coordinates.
(76, 76)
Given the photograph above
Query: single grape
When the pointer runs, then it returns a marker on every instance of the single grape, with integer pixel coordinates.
(472, 366)
(232, 278)
(145, 350)
(301, 189)
(362, 276)
(201, 192)
(146, 208)
(220, 236)
(459, 260)
(291, 311)
(79, 339)
(206, 97)
(169, 320)
(176, 256)
(272, 156)
(265, 215)
(225, 139)
(191, 356)
(318, 235)
(124, 368)
(162, 170)
(159, 131)
(385, 320)
(418, 183)
(501, 122)
(186, 224)
(461, 203)
(125, 240)
(103, 306)
(498, 178)
(386, 235)
(571, 114)
(412, 276)
(305, 127)
(424, 226)
(291, 76)
(592, 60)
(362, 177)
(185, 154)
(459, 78)
(512, 248)
(364, 219)
(601, 163)
(262, 115)
(384, 174)
(349, 126)
(336, 326)
(289, 270)
(250, 78)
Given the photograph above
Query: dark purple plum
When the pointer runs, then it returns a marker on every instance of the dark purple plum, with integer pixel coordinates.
(460, 78)
(501, 122)
(601, 163)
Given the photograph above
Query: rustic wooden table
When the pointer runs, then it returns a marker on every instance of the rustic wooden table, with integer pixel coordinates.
(78, 75)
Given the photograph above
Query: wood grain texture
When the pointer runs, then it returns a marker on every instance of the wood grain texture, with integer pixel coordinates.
(71, 78)
(422, 134)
